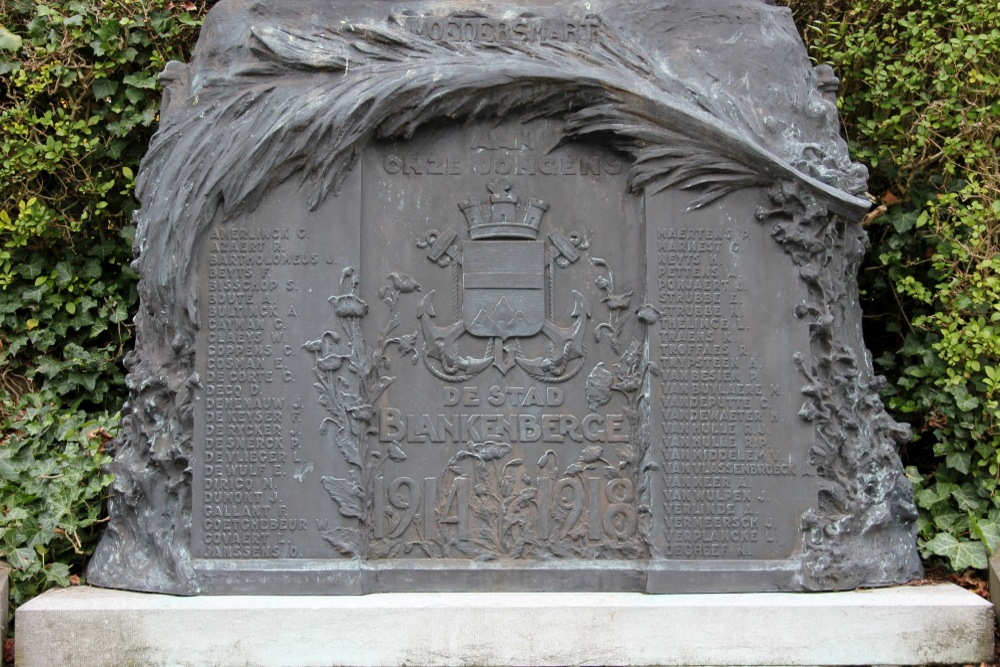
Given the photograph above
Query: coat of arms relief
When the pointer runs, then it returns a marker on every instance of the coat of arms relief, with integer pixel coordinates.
(504, 285)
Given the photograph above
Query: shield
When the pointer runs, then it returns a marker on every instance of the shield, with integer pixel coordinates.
(504, 286)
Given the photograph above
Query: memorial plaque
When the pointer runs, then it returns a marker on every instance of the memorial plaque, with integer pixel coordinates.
(530, 297)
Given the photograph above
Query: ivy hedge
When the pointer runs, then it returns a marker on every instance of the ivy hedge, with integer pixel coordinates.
(920, 102)
(78, 104)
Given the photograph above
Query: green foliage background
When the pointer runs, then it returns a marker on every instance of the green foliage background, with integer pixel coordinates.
(78, 104)
(920, 102)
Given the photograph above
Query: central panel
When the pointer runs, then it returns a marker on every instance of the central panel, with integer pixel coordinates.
(516, 266)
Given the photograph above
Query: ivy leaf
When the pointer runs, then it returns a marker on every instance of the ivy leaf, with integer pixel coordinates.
(966, 500)
(34, 295)
(134, 95)
(8, 40)
(960, 461)
(987, 531)
(914, 475)
(8, 471)
(49, 366)
(20, 557)
(927, 498)
(967, 404)
(104, 88)
(903, 222)
(108, 30)
(160, 22)
(91, 270)
(140, 80)
(57, 574)
(946, 517)
(962, 554)
(64, 274)
(924, 525)
(15, 514)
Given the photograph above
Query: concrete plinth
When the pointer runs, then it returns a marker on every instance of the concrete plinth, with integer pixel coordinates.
(907, 625)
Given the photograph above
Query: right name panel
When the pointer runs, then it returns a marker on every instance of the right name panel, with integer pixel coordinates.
(733, 476)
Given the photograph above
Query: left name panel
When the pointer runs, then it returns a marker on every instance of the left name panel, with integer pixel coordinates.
(264, 280)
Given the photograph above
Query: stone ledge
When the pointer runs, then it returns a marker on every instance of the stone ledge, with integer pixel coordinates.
(895, 626)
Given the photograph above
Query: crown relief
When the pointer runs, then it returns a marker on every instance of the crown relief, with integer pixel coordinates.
(504, 217)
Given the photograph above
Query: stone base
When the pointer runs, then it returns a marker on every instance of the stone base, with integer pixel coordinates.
(897, 626)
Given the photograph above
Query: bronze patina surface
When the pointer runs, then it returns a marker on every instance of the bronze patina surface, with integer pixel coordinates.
(475, 296)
